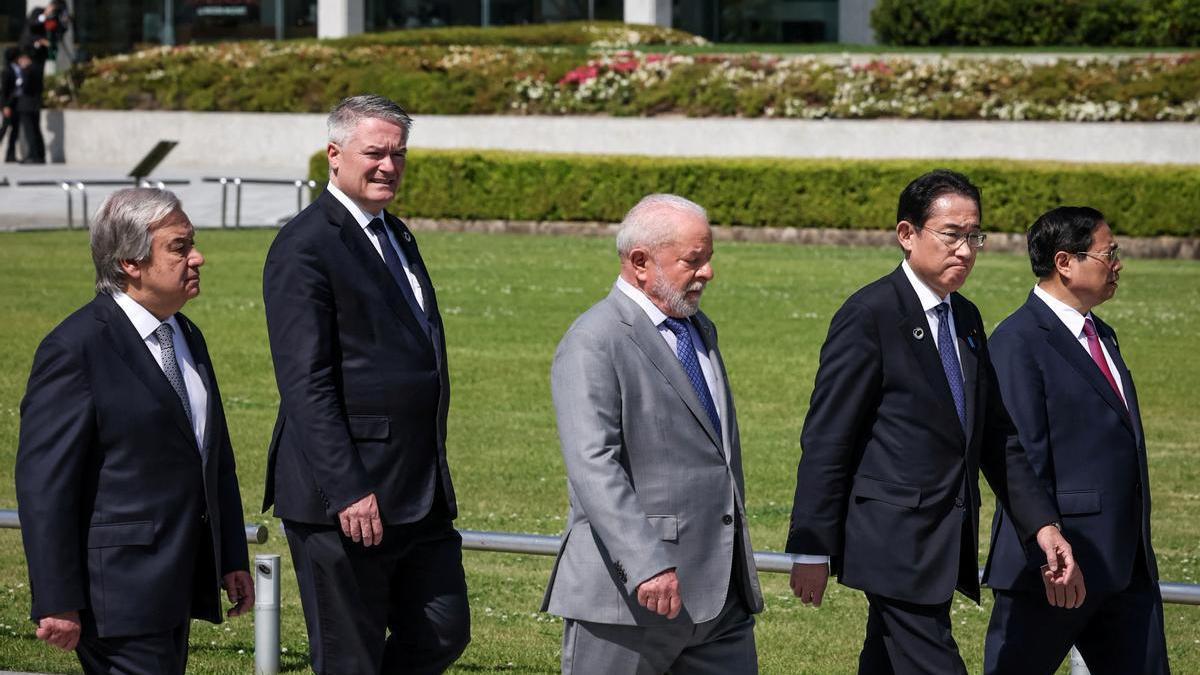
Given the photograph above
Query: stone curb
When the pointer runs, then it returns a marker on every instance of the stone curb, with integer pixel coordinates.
(1178, 248)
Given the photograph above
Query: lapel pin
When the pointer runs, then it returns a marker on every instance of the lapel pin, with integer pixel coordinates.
(407, 237)
(971, 342)
(919, 333)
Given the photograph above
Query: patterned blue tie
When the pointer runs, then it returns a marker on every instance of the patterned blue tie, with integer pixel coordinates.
(950, 362)
(685, 349)
(170, 366)
(392, 260)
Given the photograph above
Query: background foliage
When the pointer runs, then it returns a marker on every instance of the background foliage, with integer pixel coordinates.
(842, 194)
(1130, 23)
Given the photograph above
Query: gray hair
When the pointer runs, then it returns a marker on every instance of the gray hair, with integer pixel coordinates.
(644, 226)
(345, 116)
(122, 230)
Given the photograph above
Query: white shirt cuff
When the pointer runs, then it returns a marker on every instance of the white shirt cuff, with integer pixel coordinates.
(804, 559)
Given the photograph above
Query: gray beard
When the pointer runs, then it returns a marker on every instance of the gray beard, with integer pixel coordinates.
(674, 299)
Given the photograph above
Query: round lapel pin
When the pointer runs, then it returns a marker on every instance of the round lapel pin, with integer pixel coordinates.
(919, 333)
(407, 237)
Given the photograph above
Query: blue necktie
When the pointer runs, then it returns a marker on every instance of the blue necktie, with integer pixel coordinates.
(170, 366)
(685, 349)
(392, 260)
(950, 363)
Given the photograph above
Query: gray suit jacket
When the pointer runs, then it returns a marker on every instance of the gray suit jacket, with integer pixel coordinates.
(651, 484)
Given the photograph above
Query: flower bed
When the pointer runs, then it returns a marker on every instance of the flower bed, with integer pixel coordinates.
(310, 76)
(849, 194)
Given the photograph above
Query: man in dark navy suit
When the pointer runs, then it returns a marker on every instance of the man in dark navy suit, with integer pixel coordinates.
(1075, 409)
(904, 414)
(357, 467)
(129, 504)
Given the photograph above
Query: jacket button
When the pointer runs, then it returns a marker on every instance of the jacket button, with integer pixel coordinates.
(727, 519)
(204, 518)
(958, 502)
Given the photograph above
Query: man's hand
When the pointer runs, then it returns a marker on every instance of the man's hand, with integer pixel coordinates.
(1060, 575)
(239, 587)
(809, 582)
(660, 594)
(360, 521)
(60, 630)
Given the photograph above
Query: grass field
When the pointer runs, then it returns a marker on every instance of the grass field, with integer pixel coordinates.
(506, 301)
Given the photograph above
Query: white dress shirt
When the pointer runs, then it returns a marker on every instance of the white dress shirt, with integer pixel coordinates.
(658, 318)
(929, 302)
(146, 324)
(364, 221)
(1074, 321)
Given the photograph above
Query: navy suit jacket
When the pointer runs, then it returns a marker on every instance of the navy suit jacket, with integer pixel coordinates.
(115, 498)
(363, 388)
(887, 485)
(1087, 448)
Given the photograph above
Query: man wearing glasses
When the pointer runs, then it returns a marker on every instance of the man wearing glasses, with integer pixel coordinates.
(904, 414)
(1076, 414)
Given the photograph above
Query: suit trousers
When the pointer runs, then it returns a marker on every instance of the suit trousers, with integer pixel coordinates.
(1116, 633)
(397, 607)
(164, 653)
(906, 638)
(14, 136)
(722, 646)
(31, 127)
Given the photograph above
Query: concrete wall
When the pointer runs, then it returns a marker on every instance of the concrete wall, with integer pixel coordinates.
(649, 12)
(285, 141)
(854, 22)
(339, 18)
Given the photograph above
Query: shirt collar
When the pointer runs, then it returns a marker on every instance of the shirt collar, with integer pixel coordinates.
(360, 216)
(1070, 316)
(925, 294)
(143, 321)
(656, 315)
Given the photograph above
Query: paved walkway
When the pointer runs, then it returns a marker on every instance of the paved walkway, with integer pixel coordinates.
(24, 207)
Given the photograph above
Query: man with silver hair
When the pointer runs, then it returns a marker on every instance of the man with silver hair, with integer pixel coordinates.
(125, 472)
(656, 572)
(357, 464)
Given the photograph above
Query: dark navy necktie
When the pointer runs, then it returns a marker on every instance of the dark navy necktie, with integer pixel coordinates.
(685, 349)
(396, 268)
(950, 362)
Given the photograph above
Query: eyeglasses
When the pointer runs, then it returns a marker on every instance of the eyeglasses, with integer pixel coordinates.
(1107, 257)
(955, 239)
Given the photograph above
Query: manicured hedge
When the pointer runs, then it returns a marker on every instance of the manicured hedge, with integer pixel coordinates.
(1116, 23)
(592, 34)
(1138, 200)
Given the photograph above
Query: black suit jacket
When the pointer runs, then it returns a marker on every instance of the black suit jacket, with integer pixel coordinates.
(30, 97)
(1087, 448)
(888, 483)
(116, 500)
(8, 86)
(363, 388)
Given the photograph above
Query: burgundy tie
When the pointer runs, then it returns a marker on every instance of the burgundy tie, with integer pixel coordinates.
(1089, 330)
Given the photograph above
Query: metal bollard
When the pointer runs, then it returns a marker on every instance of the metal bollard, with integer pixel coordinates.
(266, 615)
(70, 206)
(83, 217)
(237, 211)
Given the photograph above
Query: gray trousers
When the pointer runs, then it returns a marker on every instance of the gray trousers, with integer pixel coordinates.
(722, 646)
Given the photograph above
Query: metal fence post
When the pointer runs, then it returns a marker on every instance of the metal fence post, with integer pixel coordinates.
(266, 614)
(70, 206)
(83, 217)
(224, 198)
(237, 212)
(1078, 667)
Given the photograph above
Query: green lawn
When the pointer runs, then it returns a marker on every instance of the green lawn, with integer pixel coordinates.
(506, 301)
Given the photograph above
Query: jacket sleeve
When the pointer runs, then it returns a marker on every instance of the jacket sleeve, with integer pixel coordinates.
(845, 395)
(302, 328)
(587, 402)
(1012, 446)
(56, 438)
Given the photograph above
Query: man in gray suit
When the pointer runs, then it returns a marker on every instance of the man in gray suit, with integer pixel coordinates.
(656, 571)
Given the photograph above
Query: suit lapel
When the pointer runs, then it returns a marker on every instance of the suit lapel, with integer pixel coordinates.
(1068, 347)
(1133, 414)
(417, 263)
(914, 329)
(204, 369)
(362, 251)
(119, 332)
(969, 338)
(647, 338)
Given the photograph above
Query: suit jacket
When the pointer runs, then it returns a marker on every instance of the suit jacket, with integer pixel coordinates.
(1087, 448)
(29, 99)
(652, 485)
(888, 484)
(8, 87)
(116, 499)
(363, 388)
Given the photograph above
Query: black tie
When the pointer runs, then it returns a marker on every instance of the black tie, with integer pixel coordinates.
(392, 260)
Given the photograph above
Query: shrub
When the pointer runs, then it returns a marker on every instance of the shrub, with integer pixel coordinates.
(1038, 23)
(307, 76)
(1138, 201)
(607, 34)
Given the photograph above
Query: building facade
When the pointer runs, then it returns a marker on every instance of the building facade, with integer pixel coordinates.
(101, 27)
